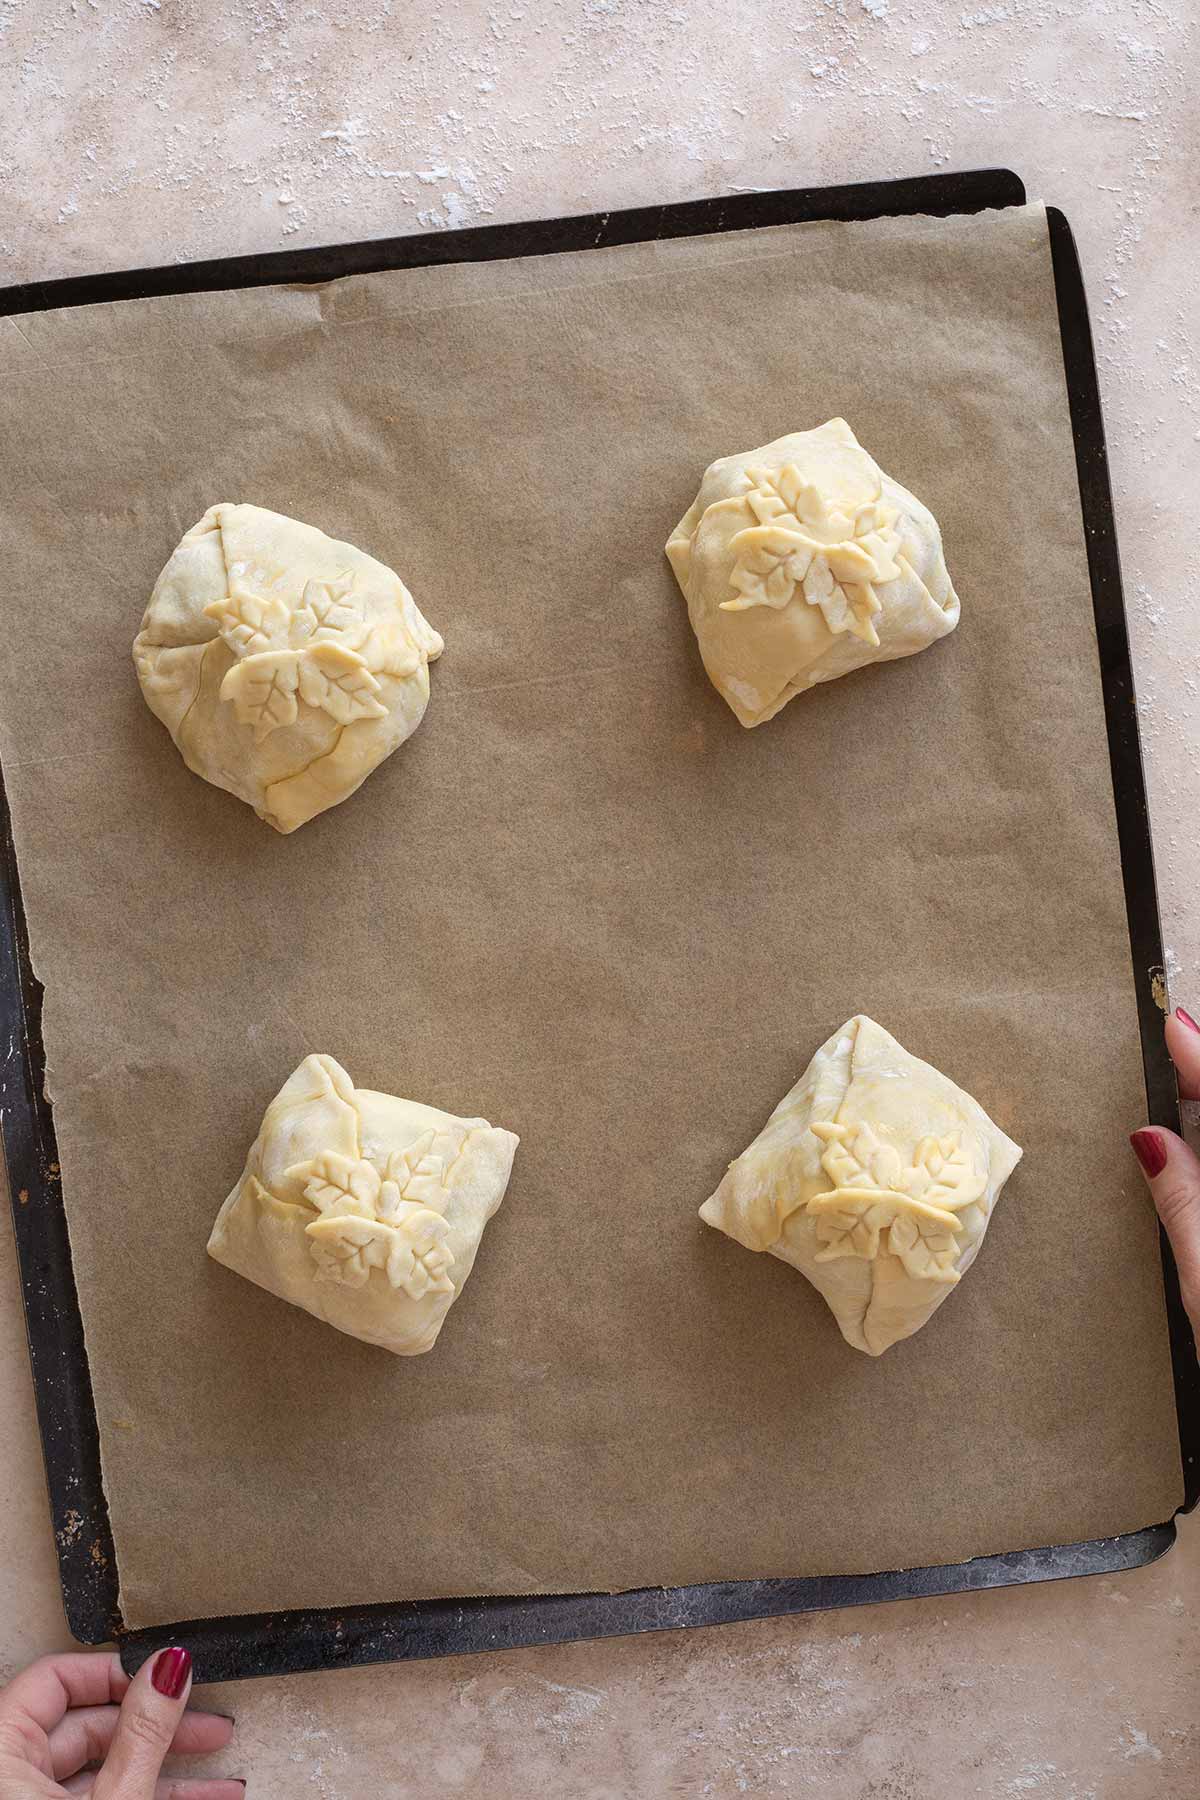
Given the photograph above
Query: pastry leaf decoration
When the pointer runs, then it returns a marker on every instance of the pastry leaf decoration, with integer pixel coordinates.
(927, 1251)
(419, 1172)
(326, 653)
(262, 690)
(327, 610)
(339, 682)
(834, 558)
(917, 1205)
(341, 1184)
(394, 1222)
(250, 623)
(411, 1251)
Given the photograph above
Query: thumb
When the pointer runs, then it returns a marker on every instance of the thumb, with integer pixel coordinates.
(1172, 1172)
(148, 1720)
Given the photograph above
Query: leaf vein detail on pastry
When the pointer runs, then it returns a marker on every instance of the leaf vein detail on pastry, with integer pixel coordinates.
(339, 682)
(410, 1250)
(875, 1192)
(395, 1222)
(327, 609)
(250, 622)
(262, 691)
(326, 650)
(834, 558)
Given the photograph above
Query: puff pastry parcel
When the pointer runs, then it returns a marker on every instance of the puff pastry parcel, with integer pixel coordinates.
(285, 665)
(364, 1209)
(802, 561)
(875, 1177)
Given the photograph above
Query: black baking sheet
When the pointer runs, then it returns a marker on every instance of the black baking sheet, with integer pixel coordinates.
(265, 1644)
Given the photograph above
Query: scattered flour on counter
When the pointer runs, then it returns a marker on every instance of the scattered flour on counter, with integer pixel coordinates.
(1031, 1778)
(348, 132)
(317, 1751)
(1134, 1745)
(1134, 114)
(1137, 52)
(457, 1766)
(988, 15)
(574, 1708)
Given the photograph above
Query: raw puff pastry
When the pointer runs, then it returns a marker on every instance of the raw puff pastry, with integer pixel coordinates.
(364, 1209)
(875, 1177)
(286, 665)
(802, 561)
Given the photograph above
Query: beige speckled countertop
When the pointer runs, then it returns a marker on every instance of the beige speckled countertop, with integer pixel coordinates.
(141, 131)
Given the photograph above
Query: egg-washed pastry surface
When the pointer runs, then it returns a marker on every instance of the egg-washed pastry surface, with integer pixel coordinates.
(285, 664)
(364, 1209)
(876, 1177)
(802, 561)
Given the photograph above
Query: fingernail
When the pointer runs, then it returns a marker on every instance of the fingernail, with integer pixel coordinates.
(170, 1672)
(1150, 1151)
(1185, 1018)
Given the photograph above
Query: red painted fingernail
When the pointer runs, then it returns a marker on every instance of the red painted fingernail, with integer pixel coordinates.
(1185, 1018)
(1150, 1151)
(170, 1672)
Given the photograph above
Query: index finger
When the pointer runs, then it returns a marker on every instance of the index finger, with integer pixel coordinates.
(50, 1687)
(1183, 1042)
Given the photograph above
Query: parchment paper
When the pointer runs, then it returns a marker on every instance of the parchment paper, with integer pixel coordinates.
(583, 902)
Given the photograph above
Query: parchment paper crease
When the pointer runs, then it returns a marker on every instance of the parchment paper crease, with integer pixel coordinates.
(583, 902)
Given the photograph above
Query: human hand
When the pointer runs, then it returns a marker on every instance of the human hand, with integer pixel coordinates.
(1172, 1169)
(66, 1712)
